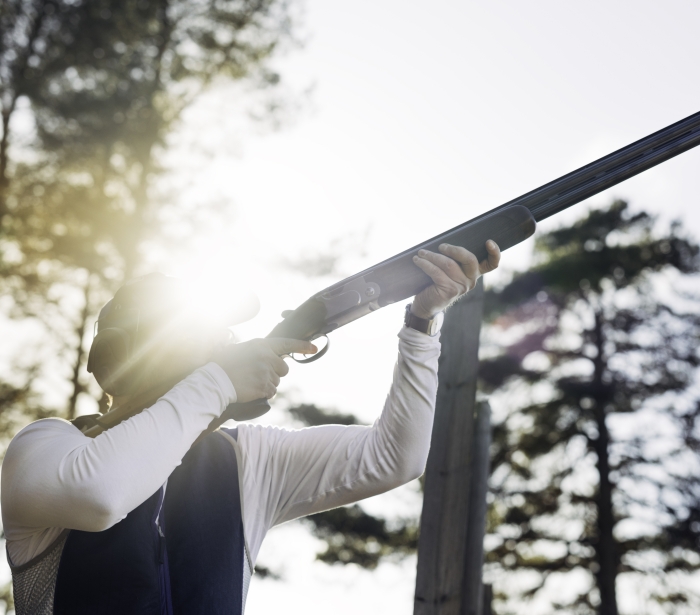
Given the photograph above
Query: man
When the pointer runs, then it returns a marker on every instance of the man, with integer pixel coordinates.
(140, 521)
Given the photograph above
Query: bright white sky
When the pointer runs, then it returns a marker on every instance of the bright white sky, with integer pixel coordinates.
(424, 115)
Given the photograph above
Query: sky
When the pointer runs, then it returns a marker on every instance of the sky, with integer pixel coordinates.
(421, 116)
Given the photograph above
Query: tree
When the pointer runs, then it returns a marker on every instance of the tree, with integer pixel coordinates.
(577, 352)
(104, 83)
(589, 349)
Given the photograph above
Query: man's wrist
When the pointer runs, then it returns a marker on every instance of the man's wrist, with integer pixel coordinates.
(420, 313)
(430, 326)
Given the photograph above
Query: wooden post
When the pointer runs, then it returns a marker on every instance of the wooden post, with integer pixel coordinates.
(488, 599)
(444, 520)
(473, 601)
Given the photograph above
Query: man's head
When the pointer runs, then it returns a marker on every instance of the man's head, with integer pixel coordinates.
(149, 333)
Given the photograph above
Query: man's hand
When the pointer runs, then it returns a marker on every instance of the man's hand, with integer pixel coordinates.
(454, 271)
(255, 367)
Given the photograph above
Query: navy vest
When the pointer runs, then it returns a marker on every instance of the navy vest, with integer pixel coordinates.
(178, 555)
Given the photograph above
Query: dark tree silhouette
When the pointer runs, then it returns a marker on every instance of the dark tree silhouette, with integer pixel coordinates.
(590, 357)
(101, 85)
(594, 355)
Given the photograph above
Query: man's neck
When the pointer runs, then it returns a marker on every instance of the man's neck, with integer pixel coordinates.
(147, 392)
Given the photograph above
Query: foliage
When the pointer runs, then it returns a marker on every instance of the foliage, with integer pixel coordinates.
(313, 416)
(595, 357)
(106, 81)
(18, 403)
(591, 355)
(355, 537)
(89, 94)
(6, 598)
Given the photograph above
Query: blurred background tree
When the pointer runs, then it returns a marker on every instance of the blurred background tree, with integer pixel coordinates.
(596, 359)
(90, 92)
(590, 357)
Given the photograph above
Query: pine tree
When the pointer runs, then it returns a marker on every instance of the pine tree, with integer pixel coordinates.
(582, 354)
(104, 83)
(594, 353)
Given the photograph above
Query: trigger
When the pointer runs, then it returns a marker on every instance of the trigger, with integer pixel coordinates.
(317, 356)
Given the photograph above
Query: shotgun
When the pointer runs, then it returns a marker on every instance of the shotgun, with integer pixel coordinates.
(398, 278)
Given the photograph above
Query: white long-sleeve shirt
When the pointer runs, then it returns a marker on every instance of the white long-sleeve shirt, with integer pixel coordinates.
(55, 478)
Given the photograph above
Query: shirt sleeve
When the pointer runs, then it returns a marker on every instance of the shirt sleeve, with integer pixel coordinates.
(287, 474)
(53, 476)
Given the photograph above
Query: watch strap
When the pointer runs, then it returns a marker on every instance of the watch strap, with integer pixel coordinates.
(424, 325)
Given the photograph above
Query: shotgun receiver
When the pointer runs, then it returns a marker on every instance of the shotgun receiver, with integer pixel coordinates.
(398, 278)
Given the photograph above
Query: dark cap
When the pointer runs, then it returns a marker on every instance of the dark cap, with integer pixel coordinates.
(146, 300)
(154, 300)
(155, 320)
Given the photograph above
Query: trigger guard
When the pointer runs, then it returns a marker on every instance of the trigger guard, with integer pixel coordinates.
(317, 356)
